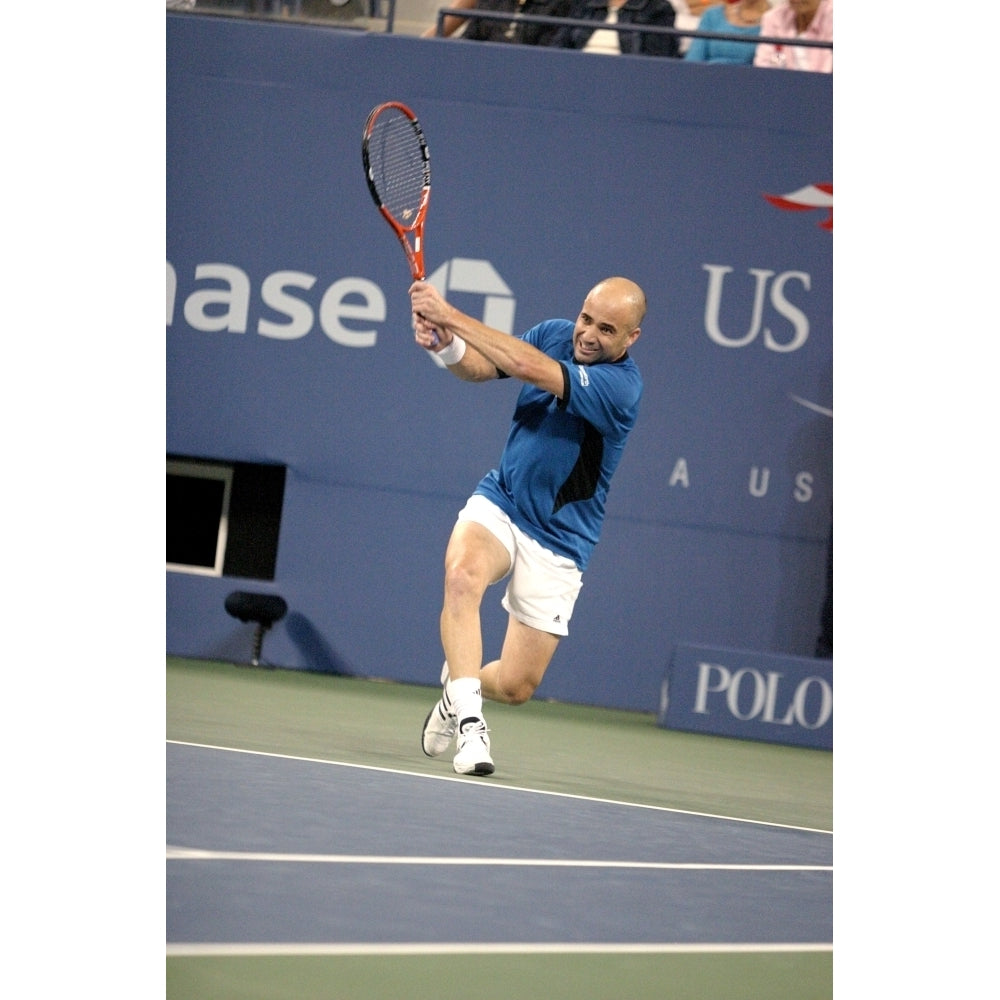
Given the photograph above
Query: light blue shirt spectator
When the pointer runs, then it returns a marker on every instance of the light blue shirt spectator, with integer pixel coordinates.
(717, 50)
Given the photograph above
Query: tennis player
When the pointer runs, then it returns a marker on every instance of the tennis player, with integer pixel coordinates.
(537, 517)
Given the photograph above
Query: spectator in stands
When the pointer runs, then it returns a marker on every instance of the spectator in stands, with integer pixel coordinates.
(655, 13)
(735, 17)
(489, 30)
(811, 19)
(451, 23)
(687, 15)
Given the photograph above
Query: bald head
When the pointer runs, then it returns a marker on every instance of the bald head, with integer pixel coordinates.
(627, 295)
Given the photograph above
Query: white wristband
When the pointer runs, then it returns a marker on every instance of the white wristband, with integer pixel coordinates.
(453, 352)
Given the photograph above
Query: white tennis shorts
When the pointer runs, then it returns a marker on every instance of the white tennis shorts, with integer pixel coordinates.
(542, 587)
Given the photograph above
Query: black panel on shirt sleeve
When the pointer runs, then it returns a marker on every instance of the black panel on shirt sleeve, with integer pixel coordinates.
(564, 401)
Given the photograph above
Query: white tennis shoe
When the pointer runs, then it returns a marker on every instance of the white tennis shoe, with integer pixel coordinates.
(440, 724)
(473, 755)
(439, 729)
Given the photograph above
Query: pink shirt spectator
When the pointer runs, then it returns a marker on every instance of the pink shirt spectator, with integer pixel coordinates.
(784, 22)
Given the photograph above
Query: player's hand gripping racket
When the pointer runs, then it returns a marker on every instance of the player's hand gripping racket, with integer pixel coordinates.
(398, 171)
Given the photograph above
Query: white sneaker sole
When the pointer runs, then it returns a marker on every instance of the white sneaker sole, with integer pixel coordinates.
(482, 767)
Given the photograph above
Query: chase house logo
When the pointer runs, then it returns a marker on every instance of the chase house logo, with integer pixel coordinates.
(478, 277)
(283, 306)
(464, 276)
(811, 197)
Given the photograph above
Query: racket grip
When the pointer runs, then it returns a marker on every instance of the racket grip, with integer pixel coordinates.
(437, 339)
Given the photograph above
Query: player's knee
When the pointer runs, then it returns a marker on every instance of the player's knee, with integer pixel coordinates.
(461, 582)
(519, 691)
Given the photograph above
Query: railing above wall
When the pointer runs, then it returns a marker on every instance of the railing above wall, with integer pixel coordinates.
(645, 29)
(385, 10)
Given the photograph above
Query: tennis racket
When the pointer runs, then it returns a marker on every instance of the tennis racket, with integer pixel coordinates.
(398, 171)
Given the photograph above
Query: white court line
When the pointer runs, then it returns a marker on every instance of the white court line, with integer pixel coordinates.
(196, 854)
(491, 784)
(554, 948)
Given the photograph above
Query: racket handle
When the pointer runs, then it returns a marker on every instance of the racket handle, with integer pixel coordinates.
(437, 339)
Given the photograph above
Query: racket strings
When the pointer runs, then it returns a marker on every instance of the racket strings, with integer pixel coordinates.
(398, 166)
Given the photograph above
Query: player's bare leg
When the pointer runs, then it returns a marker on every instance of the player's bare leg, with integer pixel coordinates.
(474, 560)
(523, 661)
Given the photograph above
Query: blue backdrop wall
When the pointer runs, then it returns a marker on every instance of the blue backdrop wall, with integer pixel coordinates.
(288, 336)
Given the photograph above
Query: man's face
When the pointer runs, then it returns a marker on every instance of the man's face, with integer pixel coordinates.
(604, 329)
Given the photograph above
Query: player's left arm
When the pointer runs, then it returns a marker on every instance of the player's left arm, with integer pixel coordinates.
(468, 365)
(507, 354)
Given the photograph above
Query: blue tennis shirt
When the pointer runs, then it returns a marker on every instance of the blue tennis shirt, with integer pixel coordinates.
(556, 467)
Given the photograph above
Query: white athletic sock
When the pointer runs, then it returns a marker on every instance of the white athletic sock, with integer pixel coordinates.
(466, 695)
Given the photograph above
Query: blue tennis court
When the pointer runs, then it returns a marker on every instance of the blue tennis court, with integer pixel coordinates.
(272, 850)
